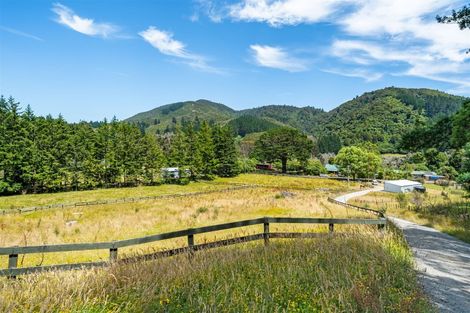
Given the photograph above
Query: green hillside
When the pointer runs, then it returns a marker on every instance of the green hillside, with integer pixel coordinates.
(385, 115)
(303, 118)
(248, 124)
(164, 117)
(382, 116)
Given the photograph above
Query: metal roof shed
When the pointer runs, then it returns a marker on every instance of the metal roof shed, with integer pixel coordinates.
(401, 186)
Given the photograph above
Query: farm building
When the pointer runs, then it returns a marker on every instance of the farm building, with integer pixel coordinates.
(401, 186)
(427, 175)
(331, 168)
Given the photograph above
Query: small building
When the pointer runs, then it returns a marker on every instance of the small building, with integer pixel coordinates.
(426, 175)
(170, 173)
(331, 168)
(264, 167)
(402, 186)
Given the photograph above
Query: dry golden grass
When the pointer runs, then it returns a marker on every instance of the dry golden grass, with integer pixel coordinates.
(364, 270)
(128, 220)
(441, 208)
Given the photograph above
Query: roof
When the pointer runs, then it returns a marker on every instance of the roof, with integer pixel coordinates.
(331, 168)
(170, 169)
(403, 182)
(422, 173)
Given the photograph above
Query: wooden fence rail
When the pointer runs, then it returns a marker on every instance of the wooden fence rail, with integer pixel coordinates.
(12, 271)
(359, 208)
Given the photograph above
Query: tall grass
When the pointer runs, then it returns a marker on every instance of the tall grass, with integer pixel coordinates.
(446, 209)
(366, 271)
(129, 220)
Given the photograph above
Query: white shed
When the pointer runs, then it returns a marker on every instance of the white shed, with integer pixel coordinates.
(400, 186)
(171, 173)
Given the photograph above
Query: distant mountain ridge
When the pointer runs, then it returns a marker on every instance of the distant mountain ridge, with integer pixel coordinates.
(381, 116)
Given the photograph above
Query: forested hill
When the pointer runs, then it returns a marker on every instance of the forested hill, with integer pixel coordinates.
(385, 115)
(165, 117)
(381, 116)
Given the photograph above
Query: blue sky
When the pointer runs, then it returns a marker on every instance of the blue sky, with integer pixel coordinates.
(94, 59)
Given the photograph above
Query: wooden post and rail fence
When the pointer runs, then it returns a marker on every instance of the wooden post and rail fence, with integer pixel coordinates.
(12, 271)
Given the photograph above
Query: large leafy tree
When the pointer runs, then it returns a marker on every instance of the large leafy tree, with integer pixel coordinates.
(358, 162)
(283, 144)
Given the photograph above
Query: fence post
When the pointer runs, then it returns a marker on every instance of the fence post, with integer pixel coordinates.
(113, 253)
(12, 263)
(266, 232)
(331, 227)
(191, 245)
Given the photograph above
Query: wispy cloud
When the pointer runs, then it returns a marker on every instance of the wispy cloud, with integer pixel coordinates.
(276, 57)
(284, 12)
(163, 41)
(379, 33)
(20, 33)
(86, 26)
(367, 75)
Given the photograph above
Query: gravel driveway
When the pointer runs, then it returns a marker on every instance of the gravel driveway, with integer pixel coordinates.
(442, 261)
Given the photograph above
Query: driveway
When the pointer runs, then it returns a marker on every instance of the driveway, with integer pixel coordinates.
(442, 261)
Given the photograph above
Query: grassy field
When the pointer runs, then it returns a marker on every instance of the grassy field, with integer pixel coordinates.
(22, 201)
(128, 220)
(363, 272)
(445, 209)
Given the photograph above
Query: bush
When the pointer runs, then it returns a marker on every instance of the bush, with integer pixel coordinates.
(314, 167)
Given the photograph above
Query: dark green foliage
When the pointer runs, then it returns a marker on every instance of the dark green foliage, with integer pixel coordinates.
(304, 118)
(225, 151)
(247, 124)
(330, 143)
(460, 17)
(464, 177)
(39, 154)
(445, 133)
(283, 144)
(423, 136)
(461, 126)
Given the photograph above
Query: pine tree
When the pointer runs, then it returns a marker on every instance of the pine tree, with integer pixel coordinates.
(225, 152)
(206, 146)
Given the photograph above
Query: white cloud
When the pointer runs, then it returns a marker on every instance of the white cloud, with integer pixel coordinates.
(163, 41)
(276, 57)
(87, 26)
(284, 12)
(20, 33)
(367, 75)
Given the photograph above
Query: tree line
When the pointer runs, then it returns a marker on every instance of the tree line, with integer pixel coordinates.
(46, 154)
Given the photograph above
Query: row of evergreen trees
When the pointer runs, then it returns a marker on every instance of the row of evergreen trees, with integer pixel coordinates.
(43, 154)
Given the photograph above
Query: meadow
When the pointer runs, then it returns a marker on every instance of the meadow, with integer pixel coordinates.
(362, 272)
(297, 197)
(444, 208)
(358, 269)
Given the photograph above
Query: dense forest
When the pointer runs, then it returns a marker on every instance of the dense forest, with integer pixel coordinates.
(382, 117)
(43, 154)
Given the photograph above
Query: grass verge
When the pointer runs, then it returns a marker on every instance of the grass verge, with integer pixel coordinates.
(361, 272)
